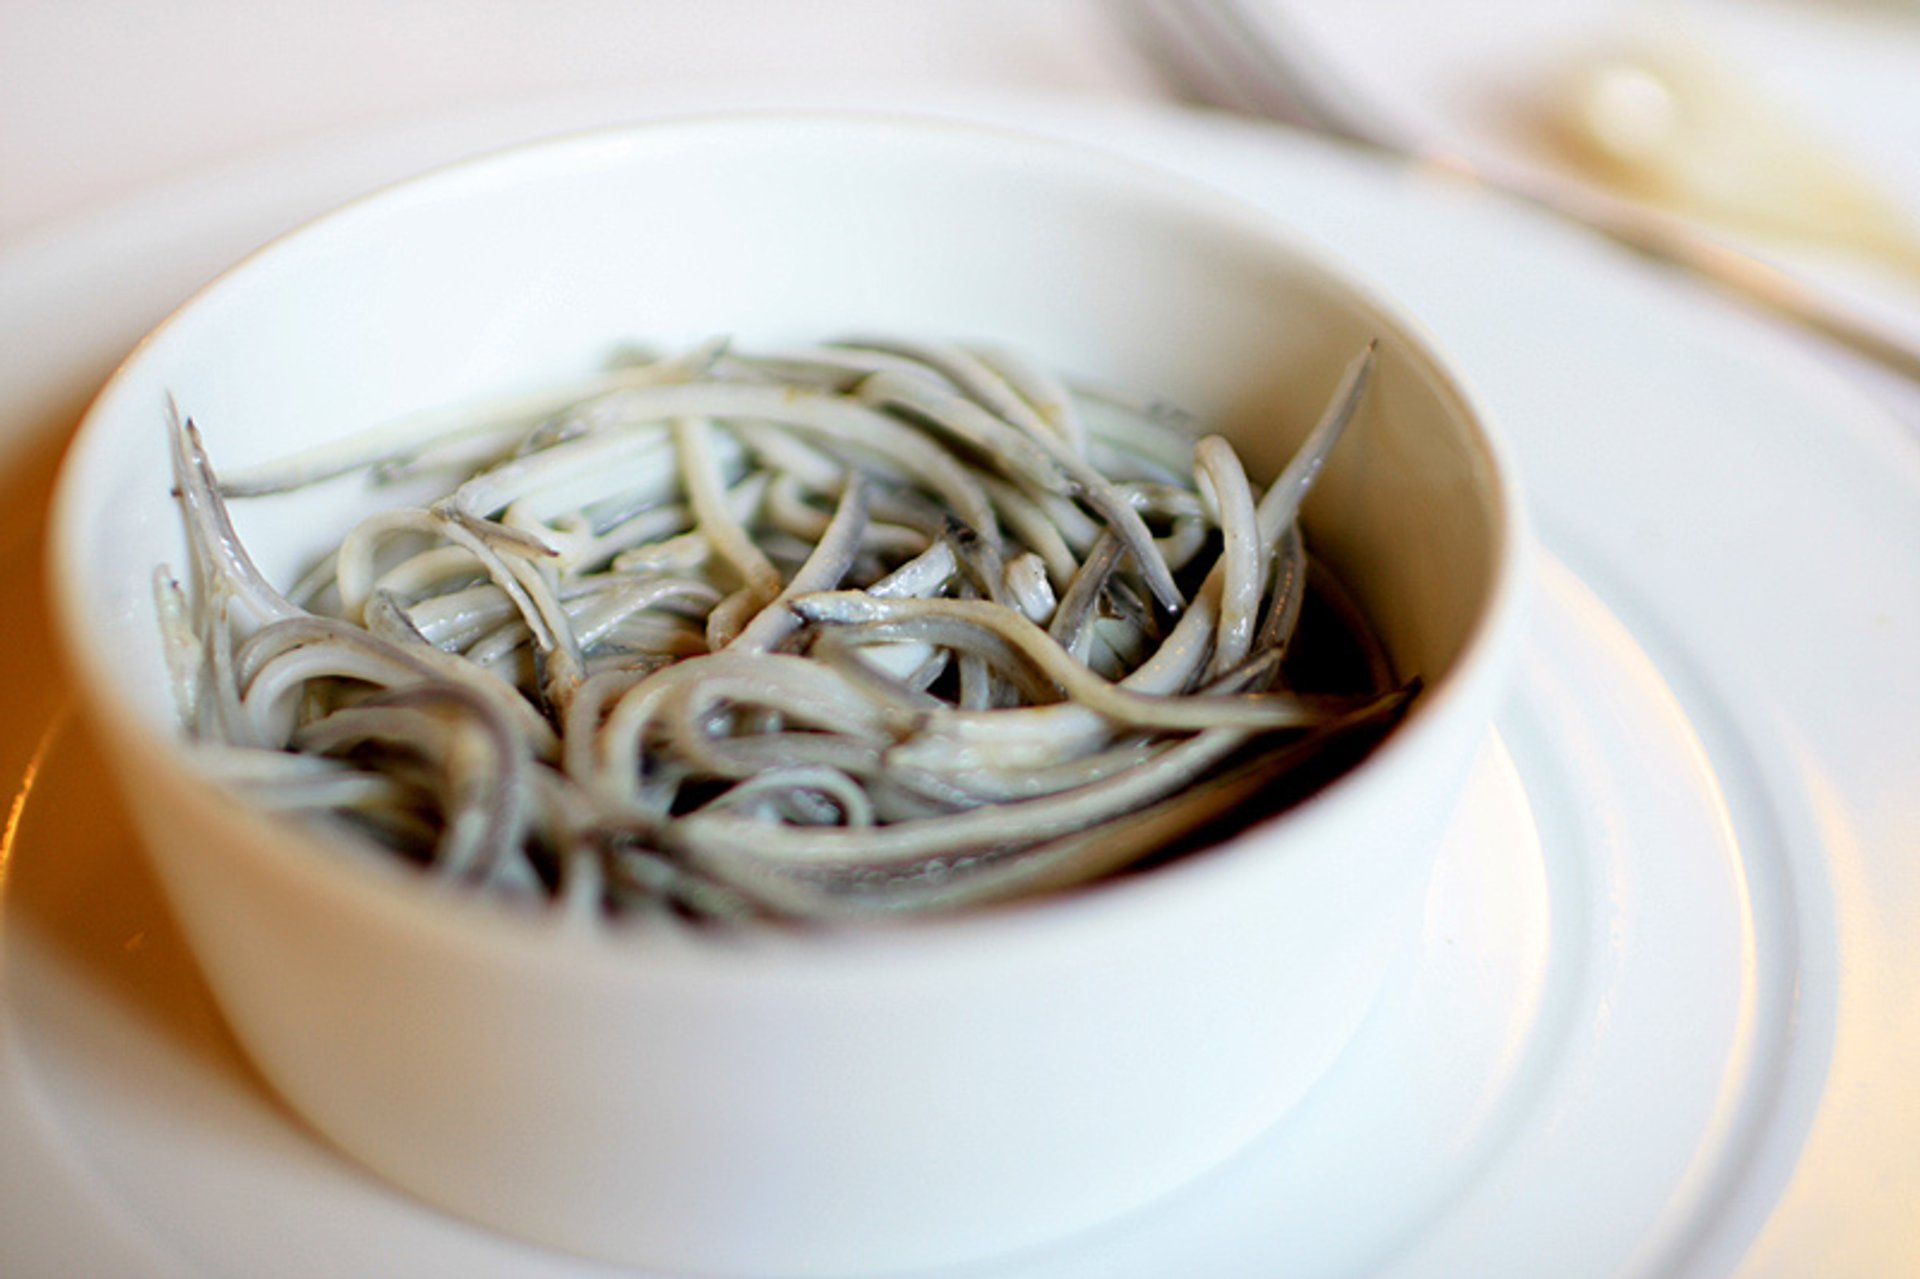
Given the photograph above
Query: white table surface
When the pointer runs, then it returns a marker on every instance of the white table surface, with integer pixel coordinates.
(104, 100)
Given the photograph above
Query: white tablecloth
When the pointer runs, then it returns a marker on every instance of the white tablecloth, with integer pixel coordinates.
(103, 100)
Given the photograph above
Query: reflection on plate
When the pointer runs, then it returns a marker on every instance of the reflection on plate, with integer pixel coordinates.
(1608, 1052)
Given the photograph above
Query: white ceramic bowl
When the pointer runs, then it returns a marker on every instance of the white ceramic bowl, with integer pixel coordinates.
(875, 1099)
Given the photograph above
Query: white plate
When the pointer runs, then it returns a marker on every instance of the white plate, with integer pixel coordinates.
(1476, 78)
(1660, 1019)
(1465, 75)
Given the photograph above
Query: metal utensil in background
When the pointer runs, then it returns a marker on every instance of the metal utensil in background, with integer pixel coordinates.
(1222, 53)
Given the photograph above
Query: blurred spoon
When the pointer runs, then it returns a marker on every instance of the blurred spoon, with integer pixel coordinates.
(1656, 117)
(1223, 53)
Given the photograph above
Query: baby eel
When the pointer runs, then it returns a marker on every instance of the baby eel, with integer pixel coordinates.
(873, 627)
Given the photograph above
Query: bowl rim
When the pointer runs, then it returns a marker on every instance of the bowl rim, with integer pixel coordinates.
(481, 919)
